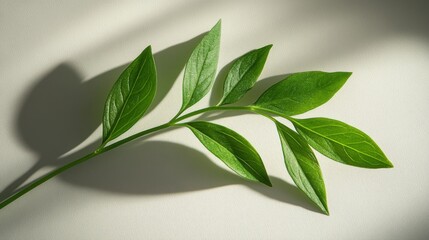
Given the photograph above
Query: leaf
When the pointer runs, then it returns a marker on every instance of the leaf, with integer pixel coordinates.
(233, 149)
(302, 166)
(341, 142)
(200, 70)
(301, 92)
(243, 74)
(130, 96)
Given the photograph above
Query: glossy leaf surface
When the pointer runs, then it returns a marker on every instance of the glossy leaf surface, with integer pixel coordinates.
(130, 96)
(342, 142)
(233, 149)
(301, 92)
(243, 74)
(302, 166)
(200, 70)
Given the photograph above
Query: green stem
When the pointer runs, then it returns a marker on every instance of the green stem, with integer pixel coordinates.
(208, 109)
(45, 178)
(263, 113)
(135, 136)
(268, 113)
(103, 148)
(57, 171)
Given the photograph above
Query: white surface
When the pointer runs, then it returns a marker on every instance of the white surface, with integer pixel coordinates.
(53, 52)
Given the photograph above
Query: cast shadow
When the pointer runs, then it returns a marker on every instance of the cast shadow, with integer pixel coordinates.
(159, 167)
(61, 110)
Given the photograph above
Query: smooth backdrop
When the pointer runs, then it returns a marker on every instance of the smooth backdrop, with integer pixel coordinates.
(58, 60)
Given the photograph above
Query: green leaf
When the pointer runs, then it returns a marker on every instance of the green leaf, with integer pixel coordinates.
(341, 142)
(302, 166)
(200, 70)
(301, 92)
(243, 74)
(233, 149)
(130, 96)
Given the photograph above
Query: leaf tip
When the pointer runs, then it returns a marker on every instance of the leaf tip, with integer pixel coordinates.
(389, 164)
(268, 47)
(148, 49)
(266, 50)
(267, 182)
(346, 75)
(323, 206)
(218, 23)
(326, 211)
(264, 179)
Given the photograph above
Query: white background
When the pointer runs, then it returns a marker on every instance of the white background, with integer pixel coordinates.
(58, 60)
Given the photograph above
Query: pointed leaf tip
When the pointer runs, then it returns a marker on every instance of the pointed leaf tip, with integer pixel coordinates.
(301, 92)
(302, 166)
(342, 142)
(269, 46)
(200, 70)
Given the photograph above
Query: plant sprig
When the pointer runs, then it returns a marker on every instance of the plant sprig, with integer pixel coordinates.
(134, 91)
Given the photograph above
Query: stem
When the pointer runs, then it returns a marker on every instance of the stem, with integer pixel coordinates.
(137, 135)
(176, 116)
(267, 113)
(57, 171)
(46, 178)
(103, 148)
(215, 108)
(263, 113)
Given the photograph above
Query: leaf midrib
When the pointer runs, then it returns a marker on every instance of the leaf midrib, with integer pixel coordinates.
(300, 167)
(126, 101)
(137, 105)
(343, 145)
(199, 76)
(242, 161)
(242, 76)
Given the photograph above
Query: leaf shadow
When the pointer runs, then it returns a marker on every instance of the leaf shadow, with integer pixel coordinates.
(159, 167)
(61, 110)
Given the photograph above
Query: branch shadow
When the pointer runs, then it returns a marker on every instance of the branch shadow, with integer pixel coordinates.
(61, 110)
(159, 167)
